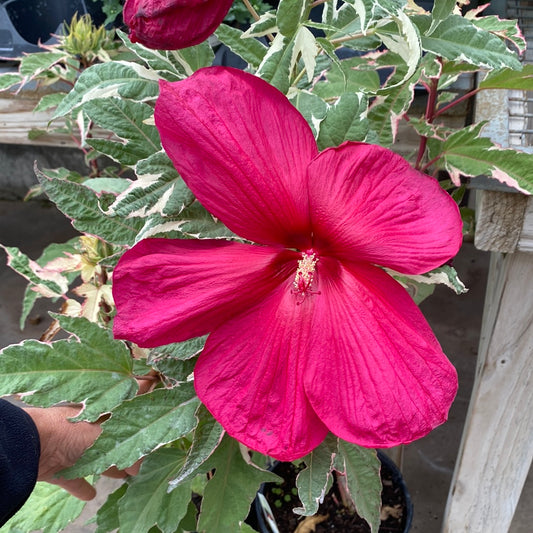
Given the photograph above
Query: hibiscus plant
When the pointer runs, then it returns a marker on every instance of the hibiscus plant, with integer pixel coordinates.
(252, 242)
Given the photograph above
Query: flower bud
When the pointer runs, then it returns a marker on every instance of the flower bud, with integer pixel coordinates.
(173, 24)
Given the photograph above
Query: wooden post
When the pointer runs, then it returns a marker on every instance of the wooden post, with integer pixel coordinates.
(497, 445)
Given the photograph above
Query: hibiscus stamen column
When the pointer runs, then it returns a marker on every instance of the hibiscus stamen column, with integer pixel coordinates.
(305, 274)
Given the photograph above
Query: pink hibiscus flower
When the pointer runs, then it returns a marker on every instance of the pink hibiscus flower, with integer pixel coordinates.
(173, 24)
(306, 334)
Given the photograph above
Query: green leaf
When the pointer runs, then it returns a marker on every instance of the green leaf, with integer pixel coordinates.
(290, 14)
(107, 516)
(48, 101)
(49, 509)
(229, 493)
(441, 11)
(159, 189)
(82, 206)
(112, 79)
(91, 368)
(509, 79)
(30, 297)
(466, 153)
(126, 119)
(345, 121)
(179, 350)
(206, 439)
(458, 39)
(137, 427)
(147, 501)
(362, 467)
(251, 50)
(194, 57)
(315, 480)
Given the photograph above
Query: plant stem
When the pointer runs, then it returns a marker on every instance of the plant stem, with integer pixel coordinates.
(430, 116)
(352, 37)
(457, 101)
(251, 9)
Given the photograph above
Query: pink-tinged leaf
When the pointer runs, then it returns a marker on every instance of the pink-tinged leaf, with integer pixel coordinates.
(368, 204)
(171, 290)
(173, 24)
(243, 149)
(376, 375)
(250, 377)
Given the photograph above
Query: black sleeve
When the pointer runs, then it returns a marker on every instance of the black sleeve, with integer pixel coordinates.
(19, 458)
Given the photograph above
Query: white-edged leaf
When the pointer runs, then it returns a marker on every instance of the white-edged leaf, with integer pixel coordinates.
(118, 79)
(466, 153)
(345, 120)
(311, 106)
(128, 121)
(207, 437)
(43, 281)
(251, 50)
(266, 24)
(305, 47)
(139, 426)
(158, 190)
(82, 206)
(361, 467)
(315, 480)
(193, 222)
(229, 493)
(90, 367)
(458, 39)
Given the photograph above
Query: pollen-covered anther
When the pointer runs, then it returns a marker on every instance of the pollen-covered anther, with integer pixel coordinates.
(305, 273)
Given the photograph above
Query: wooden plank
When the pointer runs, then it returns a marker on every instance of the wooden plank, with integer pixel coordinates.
(17, 119)
(525, 243)
(496, 451)
(499, 220)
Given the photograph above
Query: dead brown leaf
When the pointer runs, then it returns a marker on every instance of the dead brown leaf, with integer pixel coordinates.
(308, 525)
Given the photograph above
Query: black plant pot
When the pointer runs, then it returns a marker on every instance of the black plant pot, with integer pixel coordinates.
(389, 473)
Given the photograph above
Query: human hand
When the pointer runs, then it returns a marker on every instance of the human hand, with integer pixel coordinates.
(63, 443)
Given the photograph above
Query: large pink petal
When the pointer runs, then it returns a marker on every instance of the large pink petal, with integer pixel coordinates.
(377, 375)
(250, 376)
(243, 149)
(173, 24)
(169, 290)
(369, 204)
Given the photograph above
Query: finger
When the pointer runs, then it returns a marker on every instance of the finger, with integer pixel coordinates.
(114, 472)
(79, 488)
(147, 382)
(133, 470)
